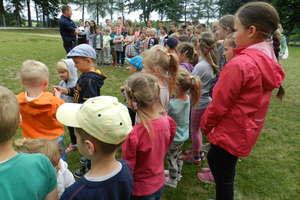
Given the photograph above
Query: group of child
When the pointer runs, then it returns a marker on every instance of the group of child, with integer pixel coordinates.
(172, 94)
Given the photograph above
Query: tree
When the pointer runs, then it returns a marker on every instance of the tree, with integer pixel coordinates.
(147, 7)
(98, 8)
(29, 13)
(230, 6)
(2, 14)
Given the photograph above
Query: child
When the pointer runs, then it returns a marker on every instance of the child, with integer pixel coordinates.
(235, 117)
(131, 49)
(229, 45)
(179, 110)
(88, 85)
(119, 47)
(98, 139)
(51, 150)
(163, 35)
(148, 143)
(186, 56)
(68, 75)
(99, 46)
(153, 40)
(225, 27)
(164, 67)
(135, 64)
(37, 106)
(171, 45)
(207, 71)
(106, 47)
(22, 175)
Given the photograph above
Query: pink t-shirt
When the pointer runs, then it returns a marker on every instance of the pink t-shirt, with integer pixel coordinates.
(145, 154)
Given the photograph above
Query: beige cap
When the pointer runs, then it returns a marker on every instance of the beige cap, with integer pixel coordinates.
(103, 117)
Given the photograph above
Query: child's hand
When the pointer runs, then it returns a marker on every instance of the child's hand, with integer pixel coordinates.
(61, 90)
(204, 132)
(56, 93)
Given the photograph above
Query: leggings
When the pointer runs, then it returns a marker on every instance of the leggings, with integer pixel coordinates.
(195, 131)
(222, 165)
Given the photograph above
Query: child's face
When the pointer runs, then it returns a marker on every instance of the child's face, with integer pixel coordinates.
(98, 30)
(63, 74)
(132, 69)
(228, 51)
(241, 35)
(83, 64)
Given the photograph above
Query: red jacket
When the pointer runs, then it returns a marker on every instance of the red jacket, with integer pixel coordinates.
(240, 102)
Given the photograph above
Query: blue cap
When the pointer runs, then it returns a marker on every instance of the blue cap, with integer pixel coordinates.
(83, 50)
(172, 43)
(137, 62)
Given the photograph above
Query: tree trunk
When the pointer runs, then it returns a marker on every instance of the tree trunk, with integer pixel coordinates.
(29, 13)
(2, 14)
(83, 10)
(111, 10)
(97, 12)
(36, 13)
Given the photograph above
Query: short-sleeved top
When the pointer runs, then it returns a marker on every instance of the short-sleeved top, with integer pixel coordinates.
(119, 46)
(117, 187)
(67, 28)
(207, 76)
(26, 176)
(180, 111)
(145, 154)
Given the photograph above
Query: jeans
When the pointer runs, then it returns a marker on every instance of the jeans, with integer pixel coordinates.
(120, 57)
(155, 196)
(222, 165)
(61, 144)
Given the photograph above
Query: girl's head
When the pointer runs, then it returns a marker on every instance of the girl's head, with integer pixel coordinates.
(186, 52)
(255, 22)
(187, 83)
(142, 92)
(87, 23)
(225, 26)
(62, 70)
(229, 45)
(161, 64)
(93, 23)
(208, 49)
(46, 147)
(163, 30)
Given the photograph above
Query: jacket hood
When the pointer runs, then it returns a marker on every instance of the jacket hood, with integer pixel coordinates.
(72, 69)
(263, 55)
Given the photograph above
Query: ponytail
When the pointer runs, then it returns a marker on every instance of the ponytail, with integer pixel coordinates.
(195, 90)
(172, 73)
(276, 45)
(211, 59)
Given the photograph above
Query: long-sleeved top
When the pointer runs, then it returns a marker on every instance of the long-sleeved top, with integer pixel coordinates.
(67, 29)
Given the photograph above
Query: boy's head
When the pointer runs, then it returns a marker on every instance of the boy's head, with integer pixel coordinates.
(84, 57)
(9, 114)
(106, 31)
(135, 63)
(34, 75)
(62, 70)
(102, 124)
(98, 30)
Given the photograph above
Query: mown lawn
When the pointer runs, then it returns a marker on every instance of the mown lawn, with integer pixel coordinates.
(271, 172)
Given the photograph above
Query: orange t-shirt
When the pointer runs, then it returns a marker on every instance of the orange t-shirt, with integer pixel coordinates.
(39, 116)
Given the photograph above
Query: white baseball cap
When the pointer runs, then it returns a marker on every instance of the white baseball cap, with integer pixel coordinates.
(103, 117)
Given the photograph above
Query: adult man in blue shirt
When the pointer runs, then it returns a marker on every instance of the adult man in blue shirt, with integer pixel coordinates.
(67, 28)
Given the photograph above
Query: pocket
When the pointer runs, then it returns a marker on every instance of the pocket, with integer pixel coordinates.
(250, 131)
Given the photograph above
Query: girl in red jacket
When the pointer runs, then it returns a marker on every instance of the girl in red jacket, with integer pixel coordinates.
(242, 94)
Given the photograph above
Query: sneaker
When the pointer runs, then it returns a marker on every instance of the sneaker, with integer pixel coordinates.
(171, 182)
(191, 159)
(80, 172)
(179, 177)
(71, 147)
(205, 170)
(167, 172)
(206, 177)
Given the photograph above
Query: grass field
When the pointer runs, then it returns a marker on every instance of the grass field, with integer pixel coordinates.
(271, 172)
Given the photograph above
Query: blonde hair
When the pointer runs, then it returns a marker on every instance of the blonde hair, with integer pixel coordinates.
(187, 49)
(61, 65)
(9, 114)
(48, 148)
(143, 89)
(208, 48)
(188, 83)
(161, 64)
(34, 70)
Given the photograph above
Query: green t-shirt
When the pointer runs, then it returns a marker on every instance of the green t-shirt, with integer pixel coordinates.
(26, 177)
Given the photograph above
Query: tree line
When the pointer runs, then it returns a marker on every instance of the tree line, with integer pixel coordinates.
(47, 11)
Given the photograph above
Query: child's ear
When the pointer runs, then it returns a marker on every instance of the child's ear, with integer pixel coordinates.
(90, 147)
(252, 31)
(45, 84)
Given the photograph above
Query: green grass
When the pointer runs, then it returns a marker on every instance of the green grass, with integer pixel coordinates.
(271, 172)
